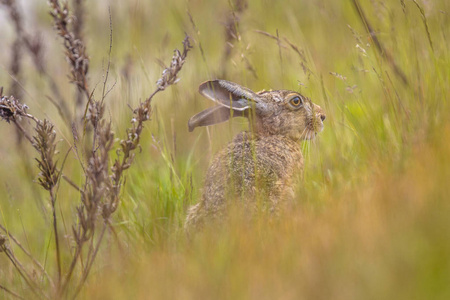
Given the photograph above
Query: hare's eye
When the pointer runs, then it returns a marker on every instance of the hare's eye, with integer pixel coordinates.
(296, 101)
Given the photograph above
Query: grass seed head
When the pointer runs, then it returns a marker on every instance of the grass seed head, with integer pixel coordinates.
(10, 108)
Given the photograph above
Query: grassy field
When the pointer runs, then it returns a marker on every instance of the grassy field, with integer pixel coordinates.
(372, 212)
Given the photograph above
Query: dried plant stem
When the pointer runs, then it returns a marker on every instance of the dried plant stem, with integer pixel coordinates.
(94, 194)
(109, 55)
(142, 114)
(231, 26)
(16, 49)
(44, 141)
(34, 47)
(75, 48)
(37, 264)
(69, 181)
(383, 52)
(303, 61)
(100, 195)
(90, 261)
(23, 273)
(55, 229)
(78, 24)
(10, 292)
(23, 131)
(66, 279)
(15, 67)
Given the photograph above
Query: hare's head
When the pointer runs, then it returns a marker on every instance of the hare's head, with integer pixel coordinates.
(279, 112)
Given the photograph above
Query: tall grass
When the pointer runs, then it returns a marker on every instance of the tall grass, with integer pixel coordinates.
(371, 213)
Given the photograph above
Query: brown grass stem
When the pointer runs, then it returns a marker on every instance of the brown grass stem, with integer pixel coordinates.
(10, 292)
(141, 114)
(425, 24)
(28, 254)
(55, 229)
(381, 49)
(109, 55)
(75, 48)
(33, 44)
(72, 184)
(23, 131)
(23, 273)
(68, 276)
(90, 261)
(100, 194)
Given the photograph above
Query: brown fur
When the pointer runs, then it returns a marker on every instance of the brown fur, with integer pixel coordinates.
(257, 167)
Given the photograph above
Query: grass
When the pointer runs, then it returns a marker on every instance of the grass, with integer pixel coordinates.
(371, 214)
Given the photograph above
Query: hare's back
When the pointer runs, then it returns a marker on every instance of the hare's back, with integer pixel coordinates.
(252, 163)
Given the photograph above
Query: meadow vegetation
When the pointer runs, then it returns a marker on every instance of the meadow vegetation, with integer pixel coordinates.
(371, 219)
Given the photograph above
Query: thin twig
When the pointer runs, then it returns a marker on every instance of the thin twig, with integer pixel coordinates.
(276, 38)
(55, 229)
(69, 181)
(10, 292)
(378, 45)
(22, 272)
(90, 262)
(71, 269)
(11, 237)
(109, 55)
(24, 132)
(33, 44)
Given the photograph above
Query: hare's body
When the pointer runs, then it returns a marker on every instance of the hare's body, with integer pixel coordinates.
(255, 169)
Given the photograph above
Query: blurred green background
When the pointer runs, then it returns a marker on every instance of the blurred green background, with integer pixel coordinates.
(371, 219)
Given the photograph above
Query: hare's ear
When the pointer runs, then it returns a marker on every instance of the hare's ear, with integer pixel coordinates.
(213, 115)
(229, 94)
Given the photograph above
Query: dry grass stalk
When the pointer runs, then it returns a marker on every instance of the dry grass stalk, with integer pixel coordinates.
(75, 49)
(4, 248)
(276, 38)
(10, 292)
(101, 190)
(15, 72)
(44, 141)
(300, 52)
(78, 24)
(100, 195)
(45, 144)
(11, 110)
(11, 237)
(33, 44)
(97, 185)
(231, 26)
(383, 52)
(233, 36)
(15, 67)
(425, 24)
(141, 114)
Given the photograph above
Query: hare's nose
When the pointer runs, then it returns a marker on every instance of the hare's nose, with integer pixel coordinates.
(322, 117)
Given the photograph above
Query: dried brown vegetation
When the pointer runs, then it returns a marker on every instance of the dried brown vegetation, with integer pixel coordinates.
(370, 214)
(100, 192)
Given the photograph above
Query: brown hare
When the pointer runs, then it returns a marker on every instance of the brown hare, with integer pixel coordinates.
(257, 166)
